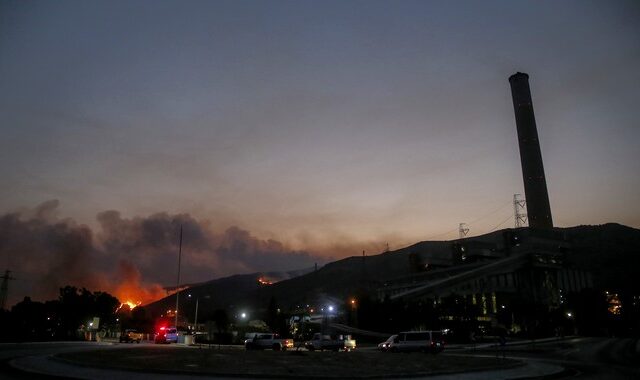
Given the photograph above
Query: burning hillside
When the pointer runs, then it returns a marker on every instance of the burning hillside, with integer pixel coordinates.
(131, 291)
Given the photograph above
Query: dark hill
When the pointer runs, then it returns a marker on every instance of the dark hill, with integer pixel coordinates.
(611, 252)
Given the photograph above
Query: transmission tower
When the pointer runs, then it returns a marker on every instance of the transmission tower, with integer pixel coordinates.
(519, 211)
(463, 230)
(4, 288)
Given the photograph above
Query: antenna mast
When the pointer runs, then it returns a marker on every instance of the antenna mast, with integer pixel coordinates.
(4, 288)
(519, 211)
(178, 283)
(463, 229)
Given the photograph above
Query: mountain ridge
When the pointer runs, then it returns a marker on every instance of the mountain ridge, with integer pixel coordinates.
(610, 251)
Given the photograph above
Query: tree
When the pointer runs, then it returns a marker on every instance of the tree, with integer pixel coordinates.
(29, 320)
(272, 314)
(76, 307)
(221, 320)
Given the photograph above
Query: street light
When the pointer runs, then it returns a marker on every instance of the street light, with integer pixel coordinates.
(196, 318)
(178, 281)
(353, 316)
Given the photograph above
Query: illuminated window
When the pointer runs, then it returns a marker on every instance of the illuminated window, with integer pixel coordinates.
(615, 306)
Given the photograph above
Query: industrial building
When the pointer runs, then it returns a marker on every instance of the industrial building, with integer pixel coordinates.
(495, 272)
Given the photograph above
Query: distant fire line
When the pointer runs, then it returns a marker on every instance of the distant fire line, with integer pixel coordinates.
(132, 305)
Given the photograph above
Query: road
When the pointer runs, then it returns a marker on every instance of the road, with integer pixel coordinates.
(576, 358)
(14, 351)
(581, 358)
(34, 359)
(596, 358)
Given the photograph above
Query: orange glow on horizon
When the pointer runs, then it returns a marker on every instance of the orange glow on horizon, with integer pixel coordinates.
(132, 290)
(132, 305)
(134, 294)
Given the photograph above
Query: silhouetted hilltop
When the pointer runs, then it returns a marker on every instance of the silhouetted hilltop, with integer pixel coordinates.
(610, 251)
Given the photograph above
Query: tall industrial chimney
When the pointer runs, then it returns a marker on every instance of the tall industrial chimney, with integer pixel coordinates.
(535, 184)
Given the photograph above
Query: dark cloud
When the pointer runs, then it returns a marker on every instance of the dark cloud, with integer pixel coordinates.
(46, 253)
(129, 256)
(153, 242)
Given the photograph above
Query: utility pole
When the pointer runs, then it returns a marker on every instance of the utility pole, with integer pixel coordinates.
(178, 282)
(463, 230)
(519, 211)
(363, 269)
(195, 323)
(4, 288)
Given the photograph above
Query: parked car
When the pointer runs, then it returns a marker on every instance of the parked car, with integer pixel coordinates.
(166, 335)
(130, 336)
(261, 341)
(349, 342)
(424, 341)
(384, 346)
(330, 342)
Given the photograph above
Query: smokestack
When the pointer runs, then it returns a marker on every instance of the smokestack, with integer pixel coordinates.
(535, 184)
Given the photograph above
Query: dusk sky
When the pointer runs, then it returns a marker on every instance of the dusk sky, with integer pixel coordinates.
(310, 129)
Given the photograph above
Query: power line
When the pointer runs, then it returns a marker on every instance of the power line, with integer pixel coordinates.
(442, 234)
(491, 213)
(502, 206)
(501, 223)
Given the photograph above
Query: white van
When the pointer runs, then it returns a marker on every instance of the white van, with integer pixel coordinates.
(423, 341)
(166, 335)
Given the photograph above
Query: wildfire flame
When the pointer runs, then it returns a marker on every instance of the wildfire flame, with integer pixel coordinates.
(132, 289)
(264, 281)
(132, 305)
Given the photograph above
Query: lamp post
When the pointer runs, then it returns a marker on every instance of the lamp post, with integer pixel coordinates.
(195, 323)
(354, 312)
(178, 282)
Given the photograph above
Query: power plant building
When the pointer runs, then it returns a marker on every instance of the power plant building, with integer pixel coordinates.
(500, 269)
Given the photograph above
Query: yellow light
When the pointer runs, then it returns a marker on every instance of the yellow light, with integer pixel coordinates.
(129, 303)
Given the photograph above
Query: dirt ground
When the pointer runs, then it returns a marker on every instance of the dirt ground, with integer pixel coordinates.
(357, 364)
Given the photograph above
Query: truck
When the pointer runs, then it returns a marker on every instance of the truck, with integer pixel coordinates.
(261, 341)
(130, 336)
(331, 342)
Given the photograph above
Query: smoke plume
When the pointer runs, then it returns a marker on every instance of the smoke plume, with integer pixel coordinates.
(132, 258)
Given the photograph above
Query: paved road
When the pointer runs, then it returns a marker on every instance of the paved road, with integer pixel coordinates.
(16, 351)
(580, 358)
(602, 359)
(583, 358)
